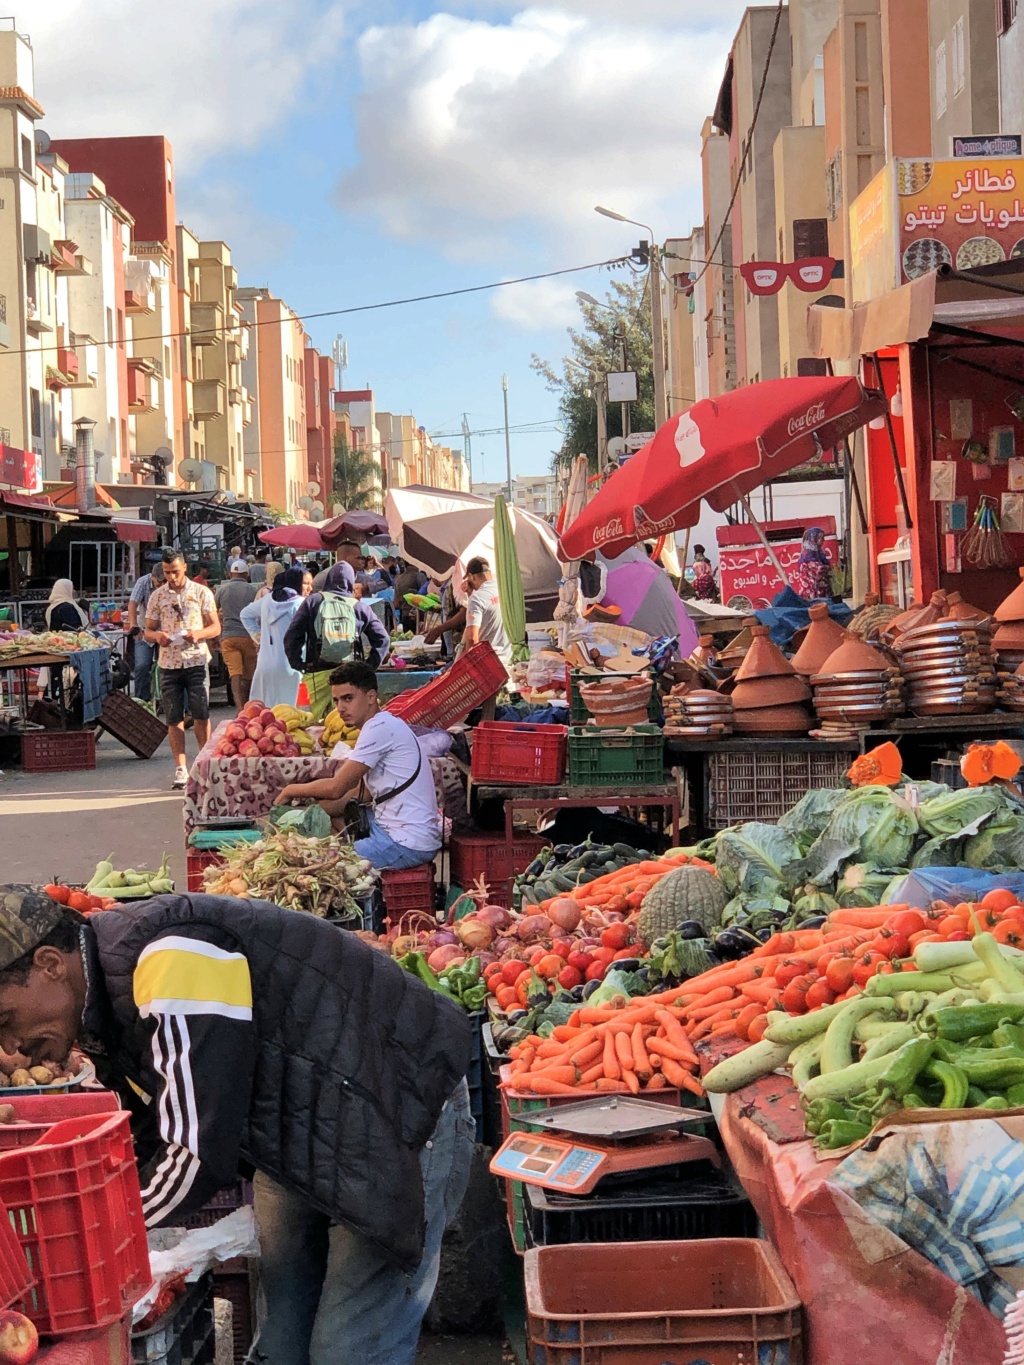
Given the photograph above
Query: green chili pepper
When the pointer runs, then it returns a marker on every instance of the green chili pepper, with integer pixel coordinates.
(820, 1112)
(841, 1133)
(905, 1066)
(1015, 1095)
(995, 1102)
(953, 1081)
(416, 965)
(911, 1100)
(976, 1097)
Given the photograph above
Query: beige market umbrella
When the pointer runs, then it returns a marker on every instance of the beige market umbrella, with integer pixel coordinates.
(575, 501)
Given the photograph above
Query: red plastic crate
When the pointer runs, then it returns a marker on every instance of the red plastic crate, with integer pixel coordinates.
(74, 1203)
(412, 888)
(718, 1300)
(527, 755)
(471, 680)
(488, 855)
(58, 751)
(197, 860)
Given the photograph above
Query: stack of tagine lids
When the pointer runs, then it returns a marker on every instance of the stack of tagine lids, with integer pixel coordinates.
(857, 684)
(948, 667)
(1008, 641)
(768, 695)
(698, 713)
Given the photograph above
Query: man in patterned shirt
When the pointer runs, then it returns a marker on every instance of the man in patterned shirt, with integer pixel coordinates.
(180, 617)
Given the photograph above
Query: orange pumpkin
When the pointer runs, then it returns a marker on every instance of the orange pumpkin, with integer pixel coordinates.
(879, 767)
(989, 762)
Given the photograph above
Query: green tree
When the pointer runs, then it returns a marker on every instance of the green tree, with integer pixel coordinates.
(595, 349)
(355, 477)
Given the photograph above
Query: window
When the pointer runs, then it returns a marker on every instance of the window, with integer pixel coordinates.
(810, 237)
(120, 327)
(27, 159)
(36, 409)
(959, 72)
(1006, 14)
(940, 79)
(110, 327)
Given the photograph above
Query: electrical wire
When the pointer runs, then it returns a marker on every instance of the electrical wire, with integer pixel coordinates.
(333, 312)
(747, 143)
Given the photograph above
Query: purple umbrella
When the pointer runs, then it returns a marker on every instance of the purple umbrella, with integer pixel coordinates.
(646, 599)
(352, 526)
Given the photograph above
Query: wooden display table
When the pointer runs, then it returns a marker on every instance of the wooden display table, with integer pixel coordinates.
(662, 794)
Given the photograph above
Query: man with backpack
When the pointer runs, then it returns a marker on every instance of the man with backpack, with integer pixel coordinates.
(327, 630)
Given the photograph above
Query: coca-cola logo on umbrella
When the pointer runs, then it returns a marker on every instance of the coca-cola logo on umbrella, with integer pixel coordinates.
(611, 530)
(688, 441)
(813, 417)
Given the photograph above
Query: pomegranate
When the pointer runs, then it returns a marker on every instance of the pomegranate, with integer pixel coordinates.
(19, 1340)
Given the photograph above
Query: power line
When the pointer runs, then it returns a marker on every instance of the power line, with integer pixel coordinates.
(747, 143)
(335, 312)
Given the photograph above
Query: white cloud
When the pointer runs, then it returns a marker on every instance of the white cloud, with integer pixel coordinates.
(541, 304)
(210, 75)
(224, 210)
(479, 136)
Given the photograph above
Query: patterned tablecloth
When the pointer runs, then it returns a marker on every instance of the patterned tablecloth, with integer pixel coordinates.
(244, 788)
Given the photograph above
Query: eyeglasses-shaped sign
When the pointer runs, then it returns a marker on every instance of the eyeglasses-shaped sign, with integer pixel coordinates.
(811, 274)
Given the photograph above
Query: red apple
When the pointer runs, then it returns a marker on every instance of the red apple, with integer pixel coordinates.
(235, 732)
(19, 1340)
(251, 710)
(225, 749)
(266, 717)
(265, 745)
(254, 730)
(248, 749)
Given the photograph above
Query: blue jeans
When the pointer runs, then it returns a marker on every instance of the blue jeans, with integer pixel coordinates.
(327, 1295)
(387, 856)
(143, 675)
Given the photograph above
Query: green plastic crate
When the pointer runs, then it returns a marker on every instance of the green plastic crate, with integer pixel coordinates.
(578, 713)
(600, 757)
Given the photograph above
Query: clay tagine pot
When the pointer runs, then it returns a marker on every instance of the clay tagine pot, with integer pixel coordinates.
(774, 720)
(854, 657)
(824, 636)
(761, 692)
(1009, 636)
(763, 659)
(959, 610)
(1012, 608)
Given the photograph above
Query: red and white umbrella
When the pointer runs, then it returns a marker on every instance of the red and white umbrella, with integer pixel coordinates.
(719, 450)
(302, 536)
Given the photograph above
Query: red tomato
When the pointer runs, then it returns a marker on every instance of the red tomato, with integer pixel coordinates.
(604, 955)
(907, 922)
(580, 960)
(512, 971)
(818, 995)
(563, 947)
(616, 936)
(999, 899)
(624, 954)
(925, 936)
(57, 892)
(890, 945)
(596, 971)
(569, 977)
(839, 974)
(794, 997)
(507, 997)
(549, 966)
(1009, 931)
(788, 971)
(865, 966)
(951, 924)
(960, 936)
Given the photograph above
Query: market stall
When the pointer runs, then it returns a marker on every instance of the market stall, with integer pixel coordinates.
(77, 667)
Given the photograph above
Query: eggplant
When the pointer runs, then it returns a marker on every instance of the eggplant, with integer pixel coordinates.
(590, 988)
(691, 928)
(815, 922)
(625, 964)
(516, 1017)
(577, 993)
(538, 999)
(736, 942)
(763, 935)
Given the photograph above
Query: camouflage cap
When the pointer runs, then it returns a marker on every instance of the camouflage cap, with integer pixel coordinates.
(26, 917)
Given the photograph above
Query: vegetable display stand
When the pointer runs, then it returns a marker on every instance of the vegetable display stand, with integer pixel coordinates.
(600, 757)
(721, 1302)
(763, 783)
(412, 888)
(472, 679)
(663, 795)
(185, 1333)
(74, 1203)
(133, 724)
(492, 857)
(533, 755)
(203, 850)
(58, 751)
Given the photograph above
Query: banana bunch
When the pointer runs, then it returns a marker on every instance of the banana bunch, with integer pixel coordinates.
(295, 722)
(335, 729)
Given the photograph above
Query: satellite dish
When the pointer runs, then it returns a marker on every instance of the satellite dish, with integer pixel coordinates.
(337, 509)
(165, 453)
(305, 503)
(42, 142)
(312, 488)
(616, 448)
(190, 470)
(317, 511)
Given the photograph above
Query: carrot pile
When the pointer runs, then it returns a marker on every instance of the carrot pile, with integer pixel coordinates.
(623, 891)
(624, 1048)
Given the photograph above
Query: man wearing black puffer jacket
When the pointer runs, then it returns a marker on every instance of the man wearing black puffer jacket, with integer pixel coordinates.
(268, 1038)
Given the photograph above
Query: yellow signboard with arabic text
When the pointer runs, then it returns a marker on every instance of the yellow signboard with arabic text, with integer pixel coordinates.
(960, 213)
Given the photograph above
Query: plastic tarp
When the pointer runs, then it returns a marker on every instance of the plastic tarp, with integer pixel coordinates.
(953, 884)
(868, 1294)
(789, 613)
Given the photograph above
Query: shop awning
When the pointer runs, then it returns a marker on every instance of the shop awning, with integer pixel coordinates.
(135, 531)
(27, 508)
(991, 297)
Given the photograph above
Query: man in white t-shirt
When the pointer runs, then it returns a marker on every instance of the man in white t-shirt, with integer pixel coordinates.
(483, 614)
(405, 825)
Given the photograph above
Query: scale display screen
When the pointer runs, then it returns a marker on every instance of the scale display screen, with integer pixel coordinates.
(546, 1161)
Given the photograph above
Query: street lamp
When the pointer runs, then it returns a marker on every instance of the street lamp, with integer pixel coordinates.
(657, 333)
(508, 444)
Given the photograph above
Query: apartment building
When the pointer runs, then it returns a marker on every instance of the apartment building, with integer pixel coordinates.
(273, 373)
(716, 316)
(321, 421)
(964, 71)
(1010, 56)
(678, 310)
(539, 494)
(360, 408)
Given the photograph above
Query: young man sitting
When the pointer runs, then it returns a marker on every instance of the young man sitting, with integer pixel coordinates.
(405, 826)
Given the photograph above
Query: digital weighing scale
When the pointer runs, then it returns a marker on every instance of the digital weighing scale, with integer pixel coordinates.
(619, 1134)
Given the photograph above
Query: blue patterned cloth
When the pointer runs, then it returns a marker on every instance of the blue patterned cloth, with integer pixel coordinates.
(953, 1192)
(93, 669)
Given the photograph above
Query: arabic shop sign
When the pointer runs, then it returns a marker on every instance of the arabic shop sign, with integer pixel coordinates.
(959, 212)
(748, 571)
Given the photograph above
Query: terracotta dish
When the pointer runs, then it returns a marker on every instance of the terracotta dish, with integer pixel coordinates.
(1012, 608)
(749, 696)
(824, 636)
(763, 659)
(854, 657)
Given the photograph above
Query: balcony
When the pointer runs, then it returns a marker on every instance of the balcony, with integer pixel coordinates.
(139, 302)
(207, 323)
(5, 331)
(236, 395)
(64, 373)
(86, 353)
(207, 399)
(143, 390)
(66, 258)
(36, 323)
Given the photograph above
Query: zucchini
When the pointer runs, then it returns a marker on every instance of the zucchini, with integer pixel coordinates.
(761, 1059)
(793, 1029)
(836, 1052)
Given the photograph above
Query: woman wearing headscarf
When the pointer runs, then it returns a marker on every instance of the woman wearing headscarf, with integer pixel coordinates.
(63, 612)
(274, 567)
(812, 577)
(705, 588)
(275, 682)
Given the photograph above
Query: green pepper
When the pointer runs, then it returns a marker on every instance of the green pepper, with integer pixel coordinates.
(820, 1112)
(976, 1097)
(911, 1100)
(841, 1133)
(904, 1067)
(998, 1074)
(1015, 1095)
(416, 964)
(1009, 1035)
(953, 1081)
(995, 1102)
(971, 1021)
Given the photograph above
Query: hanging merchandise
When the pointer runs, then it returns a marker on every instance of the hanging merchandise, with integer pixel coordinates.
(984, 545)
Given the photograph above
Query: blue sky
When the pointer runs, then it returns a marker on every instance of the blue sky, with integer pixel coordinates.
(355, 152)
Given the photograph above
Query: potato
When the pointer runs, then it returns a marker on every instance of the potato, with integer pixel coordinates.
(41, 1075)
(11, 1062)
(22, 1077)
(6, 1113)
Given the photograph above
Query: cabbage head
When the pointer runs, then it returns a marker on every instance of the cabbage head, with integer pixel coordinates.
(811, 814)
(870, 825)
(864, 885)
(758, 860)
(998, 847)
(959, 813)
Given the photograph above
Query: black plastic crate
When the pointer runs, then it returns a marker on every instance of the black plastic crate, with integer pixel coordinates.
(185, 1333)
(665, 1209)
(474, 1076)
(133, 724)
